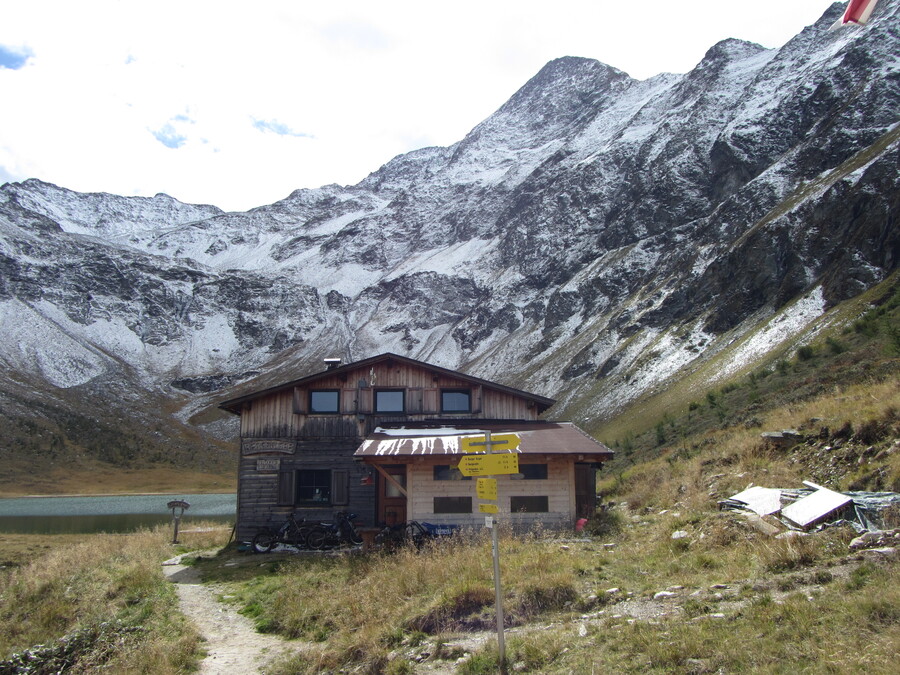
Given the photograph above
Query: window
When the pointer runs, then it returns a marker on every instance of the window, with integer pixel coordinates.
(529, 504)
(453, 505)
(314, 487)
(456, 401)
(444, 472)
(390, 400)
(324, 401)
(533, 471)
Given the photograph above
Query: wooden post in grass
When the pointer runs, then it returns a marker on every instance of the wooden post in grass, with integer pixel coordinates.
(498, 591)
(181, 506)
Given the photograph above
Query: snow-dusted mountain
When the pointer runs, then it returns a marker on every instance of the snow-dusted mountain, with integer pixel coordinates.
(593, 237)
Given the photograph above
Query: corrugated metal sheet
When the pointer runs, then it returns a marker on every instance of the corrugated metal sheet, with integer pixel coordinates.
(560, 438)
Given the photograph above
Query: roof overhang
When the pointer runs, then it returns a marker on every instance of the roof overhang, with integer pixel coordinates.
(408, 440)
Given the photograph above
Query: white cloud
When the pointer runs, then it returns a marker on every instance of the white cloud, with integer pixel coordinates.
(140, 97)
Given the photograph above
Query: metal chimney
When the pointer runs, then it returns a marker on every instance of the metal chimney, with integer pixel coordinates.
(331, 363)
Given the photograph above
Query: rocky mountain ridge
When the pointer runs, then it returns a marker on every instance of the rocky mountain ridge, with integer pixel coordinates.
(593, 237)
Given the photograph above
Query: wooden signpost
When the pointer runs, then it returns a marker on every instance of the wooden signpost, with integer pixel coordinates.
(180, 506)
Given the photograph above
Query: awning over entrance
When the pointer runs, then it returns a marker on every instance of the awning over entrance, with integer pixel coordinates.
(425, 439)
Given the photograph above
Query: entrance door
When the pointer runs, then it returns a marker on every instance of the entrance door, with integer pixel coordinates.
(585, 490)
(391, 501)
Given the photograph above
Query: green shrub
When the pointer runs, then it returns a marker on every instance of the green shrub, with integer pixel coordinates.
(604, 522)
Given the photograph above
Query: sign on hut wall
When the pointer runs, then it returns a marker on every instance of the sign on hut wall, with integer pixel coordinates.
(268, 464)
(259, 446)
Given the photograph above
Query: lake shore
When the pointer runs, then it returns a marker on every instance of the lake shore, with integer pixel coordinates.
(95, 479)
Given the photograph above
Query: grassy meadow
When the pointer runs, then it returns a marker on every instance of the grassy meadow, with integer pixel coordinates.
(92, 603)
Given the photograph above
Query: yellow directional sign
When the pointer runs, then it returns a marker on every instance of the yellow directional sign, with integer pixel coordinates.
(488, 508)
(499, 442)
(486, 488)
(489, 465)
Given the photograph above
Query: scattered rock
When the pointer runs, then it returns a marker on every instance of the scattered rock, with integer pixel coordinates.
(679, 534)
(663, 594)
(883, 552)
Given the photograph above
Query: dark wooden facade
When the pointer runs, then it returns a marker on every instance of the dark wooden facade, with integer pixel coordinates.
(297, 440)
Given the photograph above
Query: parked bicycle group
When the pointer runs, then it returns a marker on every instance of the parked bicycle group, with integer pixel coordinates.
(341, 532)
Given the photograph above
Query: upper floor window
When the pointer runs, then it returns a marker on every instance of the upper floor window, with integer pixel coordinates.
(324, 401)
(456, 400)
(390, 400)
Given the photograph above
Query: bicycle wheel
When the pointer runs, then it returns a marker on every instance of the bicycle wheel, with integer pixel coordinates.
(318, 539)
(263, 542)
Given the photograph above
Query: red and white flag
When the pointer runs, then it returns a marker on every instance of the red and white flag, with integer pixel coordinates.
(858, 12)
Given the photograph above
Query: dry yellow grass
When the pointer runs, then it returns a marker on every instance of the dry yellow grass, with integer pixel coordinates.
(109, 588)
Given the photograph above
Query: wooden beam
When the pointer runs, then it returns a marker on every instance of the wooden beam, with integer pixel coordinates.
(390, 479)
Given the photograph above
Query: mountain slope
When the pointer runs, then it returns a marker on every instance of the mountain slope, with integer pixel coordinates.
(594, 237)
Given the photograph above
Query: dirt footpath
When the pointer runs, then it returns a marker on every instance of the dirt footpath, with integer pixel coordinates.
(232, 644)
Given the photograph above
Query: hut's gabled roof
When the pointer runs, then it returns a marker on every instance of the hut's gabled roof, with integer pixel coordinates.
(235, 405)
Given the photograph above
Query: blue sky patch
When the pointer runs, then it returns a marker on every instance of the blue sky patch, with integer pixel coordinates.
(13, 59)
(279, 128)
(169, 136)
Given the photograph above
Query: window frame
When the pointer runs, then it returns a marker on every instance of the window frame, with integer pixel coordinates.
(521, 508)
(450, 510)
(389, 390)
(456, 411)
(544, 466)
(298, 486)
(337, 408)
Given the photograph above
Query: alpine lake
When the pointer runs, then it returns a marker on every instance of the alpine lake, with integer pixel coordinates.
(109, 513)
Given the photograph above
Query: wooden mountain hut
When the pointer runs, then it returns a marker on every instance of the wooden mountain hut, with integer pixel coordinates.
(380, 437)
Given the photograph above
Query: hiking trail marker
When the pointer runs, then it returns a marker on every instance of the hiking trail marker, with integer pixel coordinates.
(499, 460)
(489, 442)
(489, 465)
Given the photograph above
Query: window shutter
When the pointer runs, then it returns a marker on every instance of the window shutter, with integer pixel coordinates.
(365, 401)
(286, 490)
(348, 401)
(431, 401)
(414, 400)
(300, 396)
(476, 399)
(340, 487)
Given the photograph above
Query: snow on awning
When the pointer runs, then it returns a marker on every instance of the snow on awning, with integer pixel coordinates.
(559, 438)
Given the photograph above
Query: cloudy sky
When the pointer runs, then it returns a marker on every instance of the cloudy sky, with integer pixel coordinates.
(237, 103)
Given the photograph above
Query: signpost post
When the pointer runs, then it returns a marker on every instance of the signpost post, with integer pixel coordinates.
(486, 488)
(181, 506)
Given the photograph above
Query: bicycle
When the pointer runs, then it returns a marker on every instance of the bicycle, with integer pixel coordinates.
(334, 534)
(292, 532)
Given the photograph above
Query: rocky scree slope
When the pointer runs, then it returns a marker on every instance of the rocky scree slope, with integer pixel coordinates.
(592, 238)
